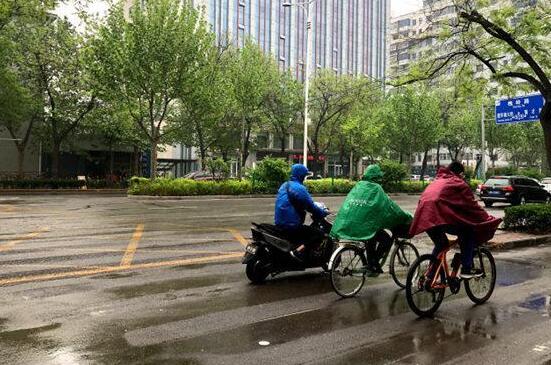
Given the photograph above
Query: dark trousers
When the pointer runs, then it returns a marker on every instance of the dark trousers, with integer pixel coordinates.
(381, 243)
(306, 235)
(377, 247)
(466, 238)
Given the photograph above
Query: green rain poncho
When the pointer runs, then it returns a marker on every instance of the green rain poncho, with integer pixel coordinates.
(367, 209)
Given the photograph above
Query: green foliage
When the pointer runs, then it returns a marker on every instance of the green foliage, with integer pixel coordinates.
(324, 186)
(333, 100)
(219, 168)
(511, 171)
(272, 172)
(531, 218)
(187, 187)
(411, 119)
(149, 62)
(394, 173)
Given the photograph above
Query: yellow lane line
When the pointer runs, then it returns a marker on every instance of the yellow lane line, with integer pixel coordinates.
(11, 244)
(6, 208)
(110, 269)
(132, 246)
(239, 237)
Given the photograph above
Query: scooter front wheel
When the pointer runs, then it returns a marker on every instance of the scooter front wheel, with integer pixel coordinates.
(348, 271)
(256, 271)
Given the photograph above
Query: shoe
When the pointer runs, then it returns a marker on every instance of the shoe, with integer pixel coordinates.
(298, 256)
(470, 273)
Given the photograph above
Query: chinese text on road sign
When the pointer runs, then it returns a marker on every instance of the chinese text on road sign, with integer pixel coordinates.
(522, 109)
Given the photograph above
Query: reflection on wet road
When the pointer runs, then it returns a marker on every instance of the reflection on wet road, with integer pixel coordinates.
(176, 295)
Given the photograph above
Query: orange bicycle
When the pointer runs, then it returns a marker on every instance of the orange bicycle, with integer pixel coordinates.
(429, 277)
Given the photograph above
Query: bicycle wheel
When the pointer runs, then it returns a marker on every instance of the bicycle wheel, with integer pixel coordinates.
(402, 257)
(423, 300)
(348, 271)
(479, 290)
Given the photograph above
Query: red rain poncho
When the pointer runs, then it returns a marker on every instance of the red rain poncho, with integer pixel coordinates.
(450, 201)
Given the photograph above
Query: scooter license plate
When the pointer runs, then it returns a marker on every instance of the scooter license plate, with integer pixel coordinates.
(251, 249)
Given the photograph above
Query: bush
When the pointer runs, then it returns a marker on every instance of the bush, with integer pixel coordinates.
(270, 172)
(394, 172)
(533, 173)
(188, 187)
(531, 218)
(329, 186)
(41, 184)
(219, 168)
(502, 171)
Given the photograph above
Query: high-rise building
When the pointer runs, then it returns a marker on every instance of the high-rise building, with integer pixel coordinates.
(349, 36)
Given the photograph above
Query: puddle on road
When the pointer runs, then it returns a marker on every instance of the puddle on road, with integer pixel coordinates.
(512, 273)
(115, 276)
(540, 303)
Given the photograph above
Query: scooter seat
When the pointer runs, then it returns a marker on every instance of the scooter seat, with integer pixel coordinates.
(273, 235)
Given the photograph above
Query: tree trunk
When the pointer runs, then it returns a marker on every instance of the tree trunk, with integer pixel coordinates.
(351, 172)
(136, 162)
(424, 165)
(282, 140)
(545, 122)
(438, 156)
(203, 153)
(55, 159)
(111, 161)
(153, 166)
(20, 160)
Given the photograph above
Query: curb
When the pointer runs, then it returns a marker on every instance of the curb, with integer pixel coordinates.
(117, 192)
(218, 197)
(520, 243)
(230, 197)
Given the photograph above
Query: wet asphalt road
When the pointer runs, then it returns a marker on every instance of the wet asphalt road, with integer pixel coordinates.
(111, 280)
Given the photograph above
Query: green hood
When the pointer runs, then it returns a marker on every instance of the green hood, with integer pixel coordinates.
(372, 173)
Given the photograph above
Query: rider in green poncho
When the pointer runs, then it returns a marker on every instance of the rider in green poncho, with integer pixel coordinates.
(366, 212)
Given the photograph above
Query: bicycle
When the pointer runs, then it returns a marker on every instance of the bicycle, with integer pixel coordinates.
(429, 277)
(348, 266)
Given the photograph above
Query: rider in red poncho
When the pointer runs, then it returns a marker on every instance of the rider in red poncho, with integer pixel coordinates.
(448, 206)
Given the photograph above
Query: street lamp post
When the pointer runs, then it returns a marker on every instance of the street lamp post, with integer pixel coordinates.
(306, 7)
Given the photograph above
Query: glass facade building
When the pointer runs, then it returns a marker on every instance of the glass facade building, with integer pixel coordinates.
(349, 36)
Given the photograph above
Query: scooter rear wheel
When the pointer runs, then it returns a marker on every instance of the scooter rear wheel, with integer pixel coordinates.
(348, 271)
(256, 271)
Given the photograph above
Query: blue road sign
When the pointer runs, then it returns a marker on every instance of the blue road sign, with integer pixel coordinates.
(518, 110)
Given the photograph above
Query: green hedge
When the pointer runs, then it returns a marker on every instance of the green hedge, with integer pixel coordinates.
(41, 184)
(531, 218)
(325, 186)
(187, 187)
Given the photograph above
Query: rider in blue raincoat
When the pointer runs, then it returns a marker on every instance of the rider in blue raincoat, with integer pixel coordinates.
(292, 203)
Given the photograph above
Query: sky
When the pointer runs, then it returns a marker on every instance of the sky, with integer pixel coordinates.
(398, 7)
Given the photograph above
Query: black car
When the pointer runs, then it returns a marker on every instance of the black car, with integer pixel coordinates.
(516, 190)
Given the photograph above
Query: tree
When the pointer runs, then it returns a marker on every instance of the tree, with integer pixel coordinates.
(203, 110)
(58, 64)
(21, 107)
(332, 98)
(512, 42)
(361, 131)
(253, 75)
(283, 105)
(149, 63)
(411, 123)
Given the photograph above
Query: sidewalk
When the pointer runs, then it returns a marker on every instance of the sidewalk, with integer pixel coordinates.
(503, 240)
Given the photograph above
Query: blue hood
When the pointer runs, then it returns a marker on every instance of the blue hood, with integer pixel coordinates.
(299, 173)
